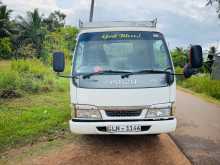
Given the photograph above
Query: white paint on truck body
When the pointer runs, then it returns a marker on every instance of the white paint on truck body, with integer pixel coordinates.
(143, 97)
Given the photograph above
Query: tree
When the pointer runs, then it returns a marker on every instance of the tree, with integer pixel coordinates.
(211, 2)
(63, 39)
(32, 31)
(6, 32)
(54, 21)
(210, 60)
(69, 33)
(5, 26)
(180, 57)
(5, 48)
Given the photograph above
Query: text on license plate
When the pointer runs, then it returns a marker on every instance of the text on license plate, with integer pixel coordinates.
(124, 128)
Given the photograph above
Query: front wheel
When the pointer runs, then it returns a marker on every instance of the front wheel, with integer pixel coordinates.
(155, 135)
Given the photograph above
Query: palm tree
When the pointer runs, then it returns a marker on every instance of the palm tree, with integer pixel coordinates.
(32, 30)
(5, 25)
(54, 21)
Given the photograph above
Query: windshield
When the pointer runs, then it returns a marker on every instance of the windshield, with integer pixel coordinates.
(121, 51)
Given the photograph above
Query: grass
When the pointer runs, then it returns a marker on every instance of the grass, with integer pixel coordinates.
(201, 95)
(5, 65)
(27, 76)
(24, 120)
(35, 115)
(203, 84)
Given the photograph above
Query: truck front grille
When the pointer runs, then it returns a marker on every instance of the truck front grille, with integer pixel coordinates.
(123, 113)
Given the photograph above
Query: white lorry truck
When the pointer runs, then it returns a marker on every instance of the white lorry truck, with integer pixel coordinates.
(123, 79)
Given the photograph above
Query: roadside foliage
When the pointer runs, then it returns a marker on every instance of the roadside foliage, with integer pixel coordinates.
(203, 82)
(34, 102)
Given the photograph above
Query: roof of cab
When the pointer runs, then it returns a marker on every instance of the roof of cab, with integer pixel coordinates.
(118, 26)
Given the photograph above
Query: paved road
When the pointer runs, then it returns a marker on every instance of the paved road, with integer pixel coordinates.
(198, 129)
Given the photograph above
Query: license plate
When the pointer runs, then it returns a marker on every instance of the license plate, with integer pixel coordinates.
(123, 128)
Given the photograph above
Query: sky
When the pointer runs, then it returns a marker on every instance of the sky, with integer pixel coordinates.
(183, 22)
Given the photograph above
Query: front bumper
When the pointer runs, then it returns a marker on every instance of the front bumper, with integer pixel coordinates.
(96, 127)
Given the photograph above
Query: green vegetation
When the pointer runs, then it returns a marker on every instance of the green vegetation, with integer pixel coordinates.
(29, 43)
(25, 120)
(34, 102)
(180, 57)
(63, 39)
(201, 83)
(43, 109)
(34, 36)
(27, 77)
(5, 47)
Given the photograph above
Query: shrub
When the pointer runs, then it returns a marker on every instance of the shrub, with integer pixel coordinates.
(203, 84)
(5, 48)
(27, 51)
(179, 70)
(9, 83)
(63, 39)
(20, 66)
(179, 56)
(29, 84)
(46, 56)
(30, 76)
(35, 67)
(34, 75)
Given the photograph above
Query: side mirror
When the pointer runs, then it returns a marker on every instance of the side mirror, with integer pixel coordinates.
(195, 61)
(58, 62)
(196, 56)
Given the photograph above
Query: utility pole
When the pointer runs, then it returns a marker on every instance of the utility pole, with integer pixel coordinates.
(91, 11)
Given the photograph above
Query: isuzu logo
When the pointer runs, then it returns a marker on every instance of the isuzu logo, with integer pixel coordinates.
(124, 82)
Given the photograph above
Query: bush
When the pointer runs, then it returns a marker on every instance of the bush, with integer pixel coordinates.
(5, 48)
(203, 84)
(179, 70)
(26, 51)
(34, 67)
(180, 57)
(63, 39)
(30, 76)
(34, 75)
(46, 56)
(9, 82)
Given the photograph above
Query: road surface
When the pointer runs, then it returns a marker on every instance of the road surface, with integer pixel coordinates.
(198, 129)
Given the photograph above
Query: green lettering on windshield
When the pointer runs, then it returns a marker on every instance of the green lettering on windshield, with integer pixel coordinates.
(120, 36)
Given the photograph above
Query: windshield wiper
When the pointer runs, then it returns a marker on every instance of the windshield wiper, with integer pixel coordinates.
(104, 72)
(147, 71)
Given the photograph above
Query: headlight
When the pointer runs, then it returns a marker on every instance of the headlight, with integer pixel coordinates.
(87, 112)
(158, 112)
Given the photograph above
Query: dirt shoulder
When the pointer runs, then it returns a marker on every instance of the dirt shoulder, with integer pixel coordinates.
(103, 150)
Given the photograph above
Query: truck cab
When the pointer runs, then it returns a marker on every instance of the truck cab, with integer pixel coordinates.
(122, 80)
